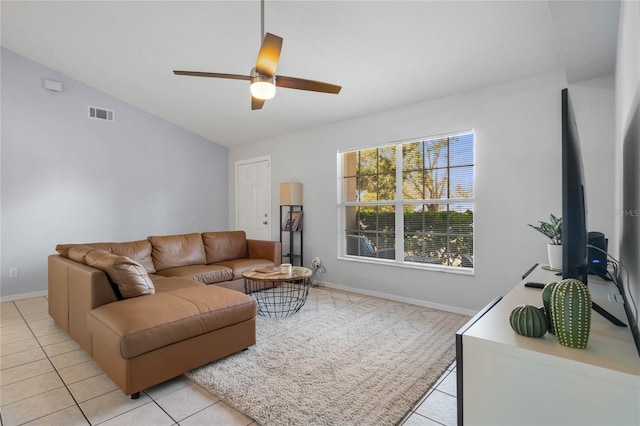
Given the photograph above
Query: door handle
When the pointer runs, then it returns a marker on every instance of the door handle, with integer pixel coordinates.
(265, 223)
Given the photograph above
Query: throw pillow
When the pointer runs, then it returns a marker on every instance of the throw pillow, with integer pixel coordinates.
(131, 278)
(79, 252)
(63, 249)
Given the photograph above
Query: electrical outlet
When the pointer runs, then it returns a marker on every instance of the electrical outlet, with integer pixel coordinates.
(13, 272)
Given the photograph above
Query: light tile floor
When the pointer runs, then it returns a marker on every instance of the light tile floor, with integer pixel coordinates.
(47, 379)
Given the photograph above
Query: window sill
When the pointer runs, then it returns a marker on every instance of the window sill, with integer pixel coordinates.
(409, 265)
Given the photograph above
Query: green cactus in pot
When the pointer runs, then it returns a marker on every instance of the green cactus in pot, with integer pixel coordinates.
(528, 321)
(571, 311)
(546, 301)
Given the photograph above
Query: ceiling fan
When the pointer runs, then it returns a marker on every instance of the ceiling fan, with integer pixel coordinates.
(263, 76)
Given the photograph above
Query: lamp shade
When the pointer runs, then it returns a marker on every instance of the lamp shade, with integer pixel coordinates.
(291, 194)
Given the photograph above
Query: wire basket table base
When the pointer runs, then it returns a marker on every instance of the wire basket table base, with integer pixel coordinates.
(278, 299)
(278, 294)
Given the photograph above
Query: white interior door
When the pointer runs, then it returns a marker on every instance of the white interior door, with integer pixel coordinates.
(253, 197)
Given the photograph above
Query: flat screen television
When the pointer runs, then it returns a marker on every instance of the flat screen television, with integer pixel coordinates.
(575, 260)
(630, 243)
(575, 254)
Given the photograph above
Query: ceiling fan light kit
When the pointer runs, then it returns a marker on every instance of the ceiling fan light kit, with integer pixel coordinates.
(262, 86)
(263, 77)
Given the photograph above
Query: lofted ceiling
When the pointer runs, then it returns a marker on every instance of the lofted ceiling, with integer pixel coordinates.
(385, 54)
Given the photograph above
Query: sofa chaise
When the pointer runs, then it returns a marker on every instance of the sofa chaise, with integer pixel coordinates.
(150, 310)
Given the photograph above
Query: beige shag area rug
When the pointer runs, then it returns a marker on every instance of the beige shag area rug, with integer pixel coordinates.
(343, 359)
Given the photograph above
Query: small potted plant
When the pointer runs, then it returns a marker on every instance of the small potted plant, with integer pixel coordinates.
(552, 230)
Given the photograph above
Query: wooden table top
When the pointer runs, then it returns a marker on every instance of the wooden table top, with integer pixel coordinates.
(297, 273)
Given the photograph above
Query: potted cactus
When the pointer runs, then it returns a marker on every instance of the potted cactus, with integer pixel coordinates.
(570, 303)
(553, 231)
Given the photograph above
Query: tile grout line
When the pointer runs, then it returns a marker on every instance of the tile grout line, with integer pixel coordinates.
(177, 422)
(77, 404)
(160, 407)
(73, 397)
(54, 369)
(428, 393)
(426, 416)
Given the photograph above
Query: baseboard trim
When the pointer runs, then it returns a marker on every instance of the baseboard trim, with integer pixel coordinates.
(409, 300)
(24, 296)
(382, 295)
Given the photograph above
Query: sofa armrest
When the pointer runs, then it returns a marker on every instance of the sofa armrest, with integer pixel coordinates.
(58, 290)
(74, 290)
(263, 249)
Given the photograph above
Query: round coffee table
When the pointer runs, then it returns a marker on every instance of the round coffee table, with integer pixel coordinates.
(278, 294)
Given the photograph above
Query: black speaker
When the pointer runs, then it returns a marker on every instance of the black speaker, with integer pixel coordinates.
(597, 258)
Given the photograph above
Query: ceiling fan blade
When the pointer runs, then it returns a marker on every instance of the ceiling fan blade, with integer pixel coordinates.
(303, 84)
(212, 75)
(256, 103)
(269, 54)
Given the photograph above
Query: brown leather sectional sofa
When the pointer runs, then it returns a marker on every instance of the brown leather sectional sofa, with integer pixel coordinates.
(143, 309)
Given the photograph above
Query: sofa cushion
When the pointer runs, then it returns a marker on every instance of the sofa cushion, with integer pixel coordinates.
(241, 265)
(171, 251)
(172, 283)
(140, 251)
(144, 324)
(221, 246)
(207, 274)
(129, 276)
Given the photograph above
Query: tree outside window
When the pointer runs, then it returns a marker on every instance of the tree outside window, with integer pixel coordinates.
(435, 178)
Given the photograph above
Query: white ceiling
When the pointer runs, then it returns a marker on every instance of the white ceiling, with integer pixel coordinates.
(385, 54)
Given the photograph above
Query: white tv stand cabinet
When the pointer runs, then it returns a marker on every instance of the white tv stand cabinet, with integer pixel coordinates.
(508, 379)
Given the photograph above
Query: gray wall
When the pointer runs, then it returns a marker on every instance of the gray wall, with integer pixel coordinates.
(67, 178)
(518, 181)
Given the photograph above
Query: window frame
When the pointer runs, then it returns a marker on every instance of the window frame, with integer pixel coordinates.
(399, 203)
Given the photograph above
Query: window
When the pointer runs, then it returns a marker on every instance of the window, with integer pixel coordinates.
(423, 188)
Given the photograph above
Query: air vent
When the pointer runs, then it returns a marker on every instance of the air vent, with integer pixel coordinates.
(101, 113)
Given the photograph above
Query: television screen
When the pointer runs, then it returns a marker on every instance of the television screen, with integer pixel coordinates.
(630, 243)
(575, 254)
(574, 221)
